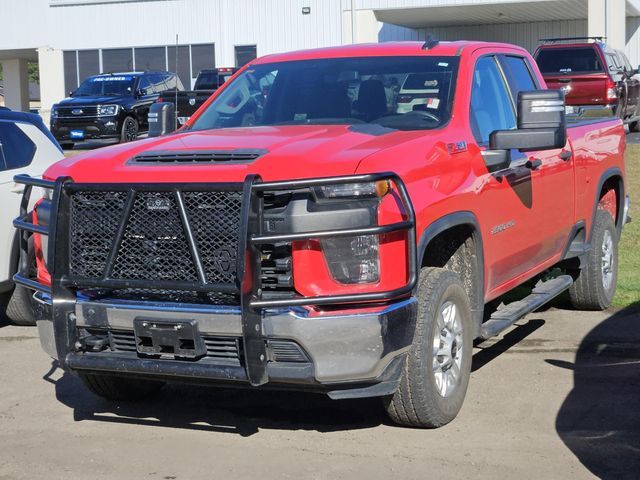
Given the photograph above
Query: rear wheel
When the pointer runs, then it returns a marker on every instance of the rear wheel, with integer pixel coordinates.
(595, 285)
(119, 388)
(634, 126)
(437, 369)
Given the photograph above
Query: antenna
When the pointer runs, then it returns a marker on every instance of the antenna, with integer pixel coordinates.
(175, 109)
(430, 42)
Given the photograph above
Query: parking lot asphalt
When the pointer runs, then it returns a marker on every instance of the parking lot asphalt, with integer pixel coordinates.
(556, 397)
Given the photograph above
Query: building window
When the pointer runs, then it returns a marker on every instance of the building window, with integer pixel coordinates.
(117, 60)
(70, 66)
(151, 58)
(244, 54)
(183, 63)
(202, 57)
(88, 63)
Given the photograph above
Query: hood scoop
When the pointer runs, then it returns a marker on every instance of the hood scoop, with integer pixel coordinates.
(197, 157)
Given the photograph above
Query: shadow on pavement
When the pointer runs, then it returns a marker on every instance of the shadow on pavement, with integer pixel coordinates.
(239, 411)
(599, 420)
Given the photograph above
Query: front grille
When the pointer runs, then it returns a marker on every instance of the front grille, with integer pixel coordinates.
(67, 112)
(221, 348)
(154, 243)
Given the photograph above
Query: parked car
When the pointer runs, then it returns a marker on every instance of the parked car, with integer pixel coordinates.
(594, 77)
(188, 101)
(305, 240)
(26, 146)
(110, 106)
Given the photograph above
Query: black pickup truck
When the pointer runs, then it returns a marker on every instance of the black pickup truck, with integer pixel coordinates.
(188, 101)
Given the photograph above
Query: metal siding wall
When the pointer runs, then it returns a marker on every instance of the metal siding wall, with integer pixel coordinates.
(524, 34)
(272, 25)
(633, 40)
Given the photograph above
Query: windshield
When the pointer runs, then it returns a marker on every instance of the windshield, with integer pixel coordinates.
(337, 91)
(111, 85)
(569, 60)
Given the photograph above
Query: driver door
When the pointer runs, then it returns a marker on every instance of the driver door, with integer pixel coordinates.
(511, 213)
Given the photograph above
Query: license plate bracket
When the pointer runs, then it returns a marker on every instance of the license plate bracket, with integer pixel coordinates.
(169, 338)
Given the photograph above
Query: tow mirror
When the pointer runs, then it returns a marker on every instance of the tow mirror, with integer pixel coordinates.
(541, 123)
(162, 119)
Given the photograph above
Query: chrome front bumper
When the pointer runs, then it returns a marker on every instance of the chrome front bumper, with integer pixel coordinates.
(344, 349)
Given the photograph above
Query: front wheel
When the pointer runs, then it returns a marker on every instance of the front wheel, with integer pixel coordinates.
(634, 126)
(129, 130)
(437, 369)
(595, 285)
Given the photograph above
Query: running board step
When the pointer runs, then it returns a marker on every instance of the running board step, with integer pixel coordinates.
(512, 312)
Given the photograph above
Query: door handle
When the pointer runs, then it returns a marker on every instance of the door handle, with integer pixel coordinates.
(17, 188)
(533, 164)
(566, 155)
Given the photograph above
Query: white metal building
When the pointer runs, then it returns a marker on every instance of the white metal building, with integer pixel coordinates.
(71, 39)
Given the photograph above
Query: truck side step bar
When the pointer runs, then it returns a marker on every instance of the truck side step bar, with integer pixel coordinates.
(512, 312)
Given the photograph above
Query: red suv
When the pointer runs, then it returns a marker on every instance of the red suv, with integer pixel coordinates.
(594, 77)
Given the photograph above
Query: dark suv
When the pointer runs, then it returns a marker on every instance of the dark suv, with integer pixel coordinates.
(114, 105)
(595, 77)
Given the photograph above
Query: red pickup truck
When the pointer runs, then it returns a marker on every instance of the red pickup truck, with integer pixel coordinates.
(303, 231)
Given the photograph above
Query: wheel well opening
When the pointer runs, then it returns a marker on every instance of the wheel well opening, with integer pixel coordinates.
(608, 201)
(455, 249)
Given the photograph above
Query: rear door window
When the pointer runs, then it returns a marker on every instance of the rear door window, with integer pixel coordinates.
(569, 60)
(491, 106)
(16, 148)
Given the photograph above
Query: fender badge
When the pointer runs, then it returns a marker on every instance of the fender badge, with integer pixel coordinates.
(457, 147)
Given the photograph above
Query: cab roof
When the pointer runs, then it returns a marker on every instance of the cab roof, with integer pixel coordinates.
(383, 49)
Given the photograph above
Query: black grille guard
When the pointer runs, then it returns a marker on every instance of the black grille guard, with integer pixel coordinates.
(248, 267)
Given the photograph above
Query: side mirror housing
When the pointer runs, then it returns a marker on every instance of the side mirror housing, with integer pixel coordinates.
(162, 119)
(141, 92)
(541, 123)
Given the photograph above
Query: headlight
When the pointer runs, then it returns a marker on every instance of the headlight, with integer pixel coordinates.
(353, 259)
(107, 110)
(346, 190)
(54, 113)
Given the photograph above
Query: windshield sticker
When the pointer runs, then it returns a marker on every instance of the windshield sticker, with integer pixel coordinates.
(433, 103)
(111, 79)
(299, 117)
(431, 83)
(443, 64)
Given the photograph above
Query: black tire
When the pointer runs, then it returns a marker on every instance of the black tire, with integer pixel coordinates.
(119, 388)
(590, 290)
(418, 402)
(634, 126)
(67, 145)
(129, 130)
(20, 306)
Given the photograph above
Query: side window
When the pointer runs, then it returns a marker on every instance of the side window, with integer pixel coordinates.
(157, 83)
(145, 84)
(491, 107)
(613, 63)
(624, 61)
(16, 148)
(518, 75)
(170, 81)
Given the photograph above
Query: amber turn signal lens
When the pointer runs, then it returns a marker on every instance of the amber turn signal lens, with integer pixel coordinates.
(383, 187)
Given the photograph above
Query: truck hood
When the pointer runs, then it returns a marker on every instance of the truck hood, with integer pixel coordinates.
(89, 100)
(286, 152)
